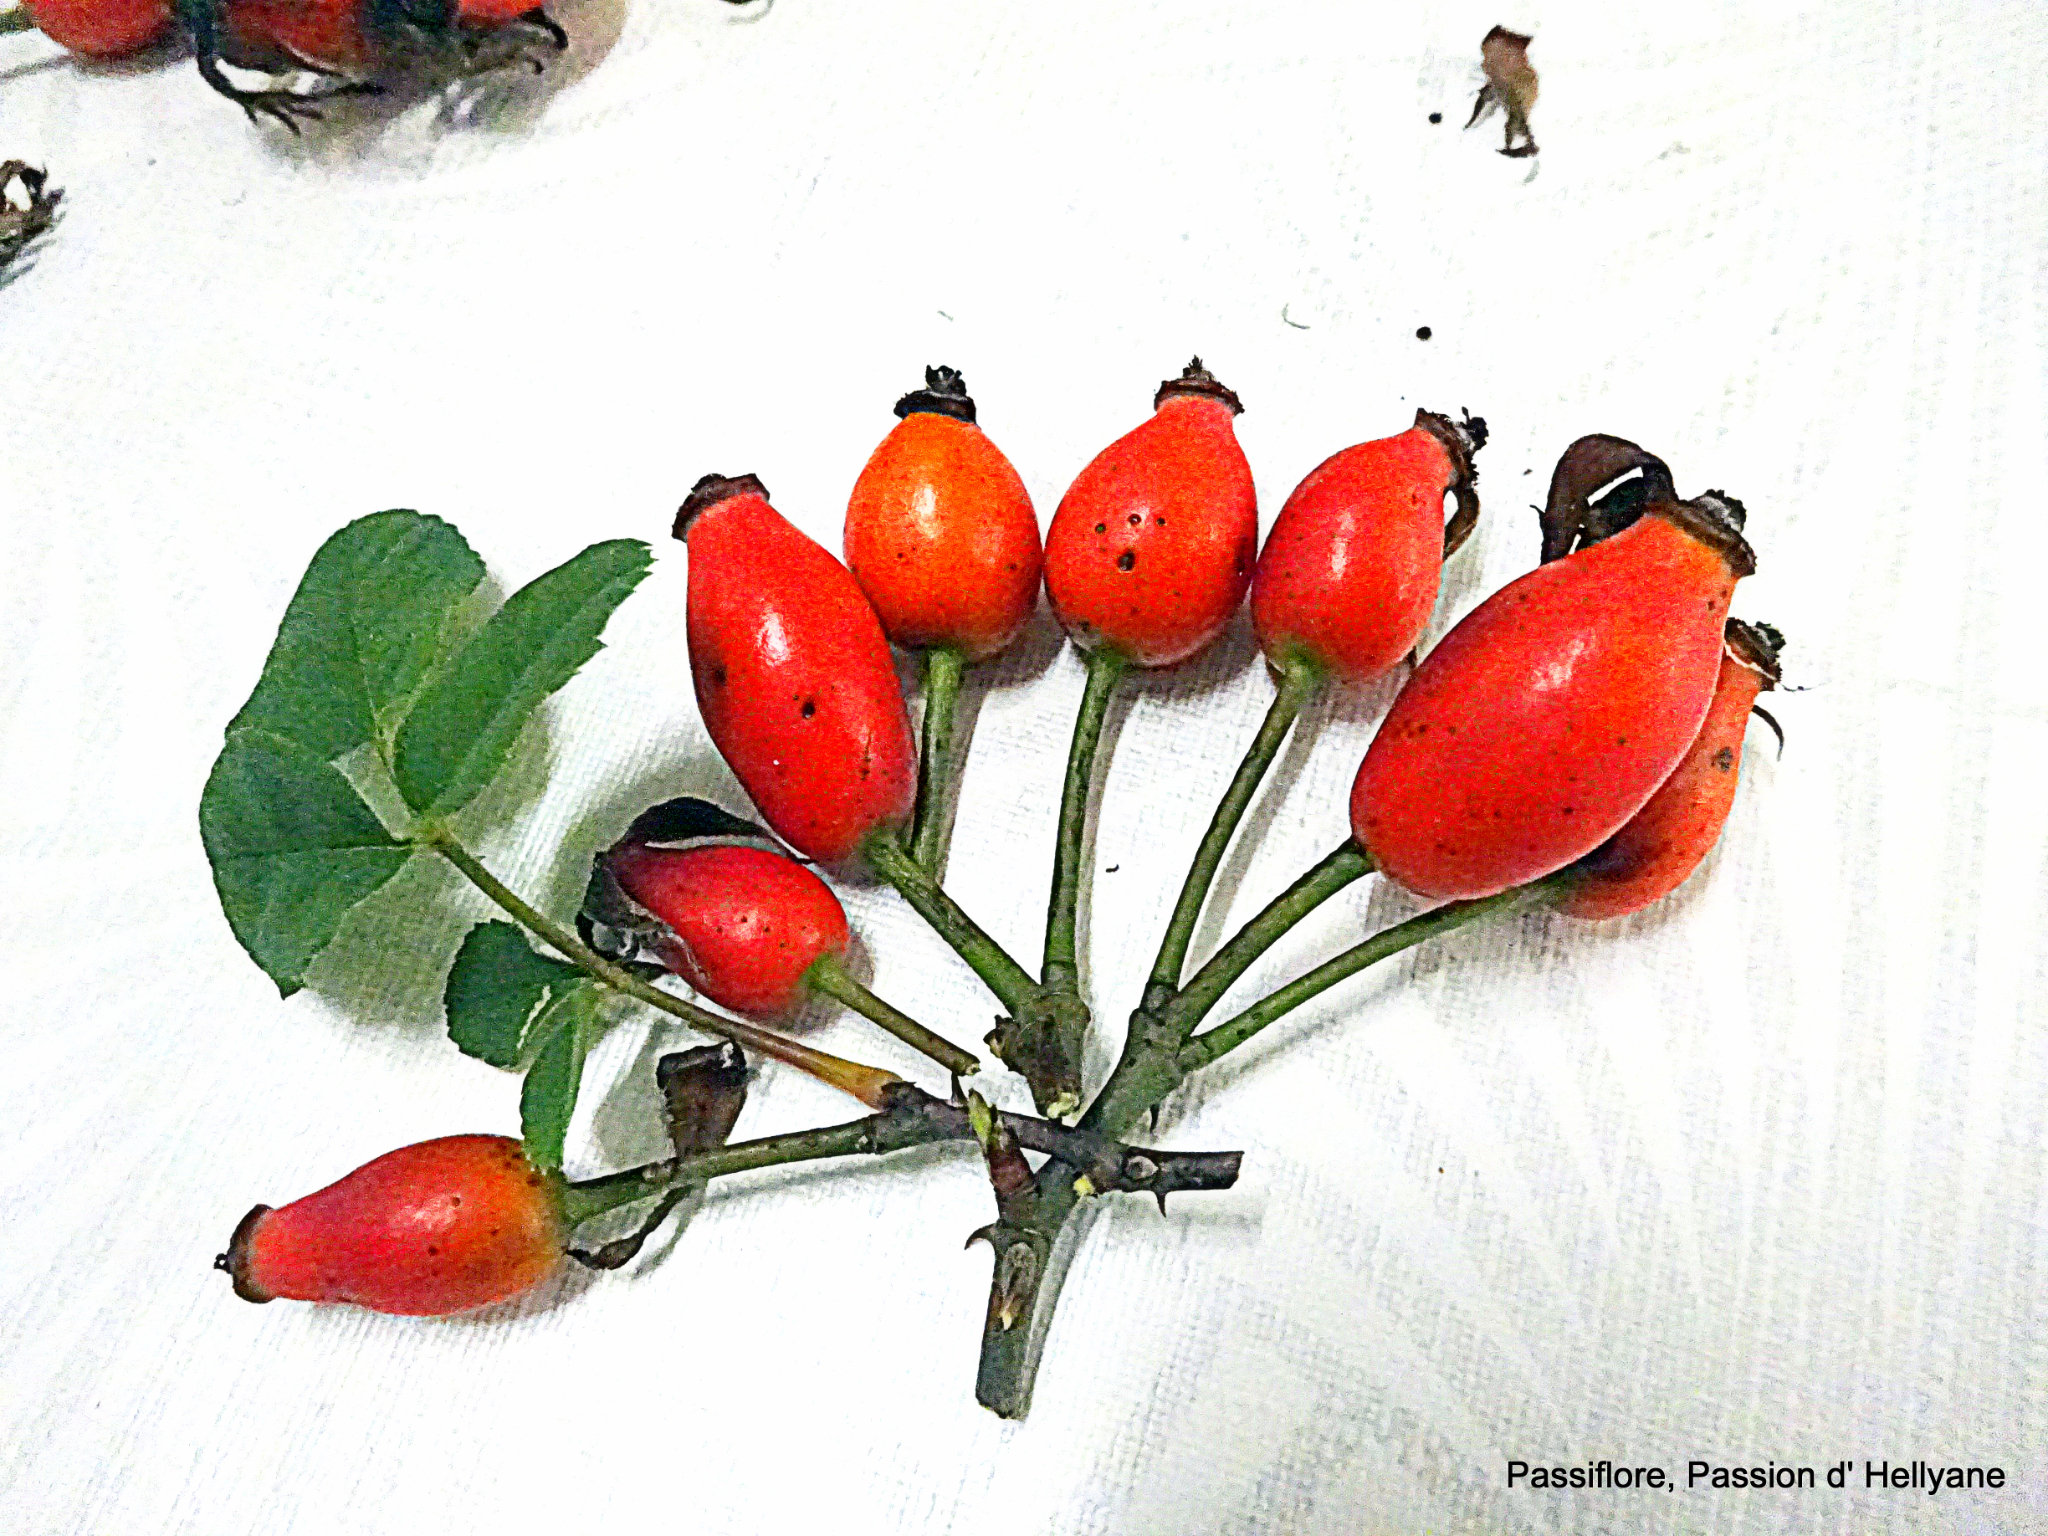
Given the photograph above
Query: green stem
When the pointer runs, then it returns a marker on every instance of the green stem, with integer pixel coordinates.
(1148, 1071)
(1191, 1005)
(1212, 1044)
(1299, 681)
(1004, 1379)
(911, 1118)
(1011, 983)
(16, 19)
(829, 975)
(868, 1084)
(943, 667)
(593, 1197)
(1060, 973)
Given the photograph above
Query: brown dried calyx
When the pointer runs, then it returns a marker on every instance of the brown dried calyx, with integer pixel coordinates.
(1510, 85)
(1757, 646)
(944, 394)
(1197, 380)
(1461, 440)
(1603, 484)
(709, 492)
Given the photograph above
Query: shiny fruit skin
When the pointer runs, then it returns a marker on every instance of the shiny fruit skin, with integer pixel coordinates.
(794, 678)
(941, 535)
(102, 29)
(1350, 570)
(438, 1227)
(1151, 549)
(748, 923)
(1548, 716)
(1666, 840)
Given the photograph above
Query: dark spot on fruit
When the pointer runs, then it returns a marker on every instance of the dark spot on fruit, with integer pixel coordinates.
(1567, 810)
(1126, 560)
(1011, 566)
(718, 675)
(1137, 518)
(1102, 527)
(1422, 333)
(433, 1252)
(1725, 759)
(1160, 521)
(456, 1200)
(1621, 741)
(810, 708)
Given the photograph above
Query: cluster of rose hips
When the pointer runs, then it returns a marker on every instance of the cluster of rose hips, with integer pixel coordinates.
(358, 44)
(1573, 742)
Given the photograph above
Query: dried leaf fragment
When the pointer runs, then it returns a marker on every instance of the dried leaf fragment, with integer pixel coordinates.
(28, 207)
(1510, 85)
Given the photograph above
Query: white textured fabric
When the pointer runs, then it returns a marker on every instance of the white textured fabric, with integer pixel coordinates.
(1756, 1176)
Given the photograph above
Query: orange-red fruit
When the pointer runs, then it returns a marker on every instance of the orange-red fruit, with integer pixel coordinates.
(793, 675)
(1151, 549)
(103, 29)
(940, 532)
(1350, 570)
(1546, 719)
(441, 1226)
(1665, 841)
(747, 923)
(326, 35)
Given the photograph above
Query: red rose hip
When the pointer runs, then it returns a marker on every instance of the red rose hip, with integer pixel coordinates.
(1666, 840)
(1151, 549)
(745, 925)
(793, 674)
(940, 532)
(105, 29)
(1350, 570)
(1553, 711)
(438, 1227)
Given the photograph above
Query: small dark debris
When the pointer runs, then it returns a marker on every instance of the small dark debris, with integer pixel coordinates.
(1422, 333)
(1112, 869)
(1436, 117)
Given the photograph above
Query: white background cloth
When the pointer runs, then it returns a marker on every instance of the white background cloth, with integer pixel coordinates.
(1756, 1176)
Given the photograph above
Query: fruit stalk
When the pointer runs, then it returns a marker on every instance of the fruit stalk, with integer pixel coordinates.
(868, 1084)
(943, 666)
(828, 974)
(1013, 986)
(1299, 681)
(16, 19)
(1213, 1044)
(1060, 972)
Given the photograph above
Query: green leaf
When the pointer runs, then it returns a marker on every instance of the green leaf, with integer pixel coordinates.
(547, 1100)
(458, 734)
(369, 621)
(499, 992)
(293, 848)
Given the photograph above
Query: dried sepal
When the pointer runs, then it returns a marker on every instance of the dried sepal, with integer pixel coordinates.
(1510, 86)
(705, 1089)
(28, 207)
